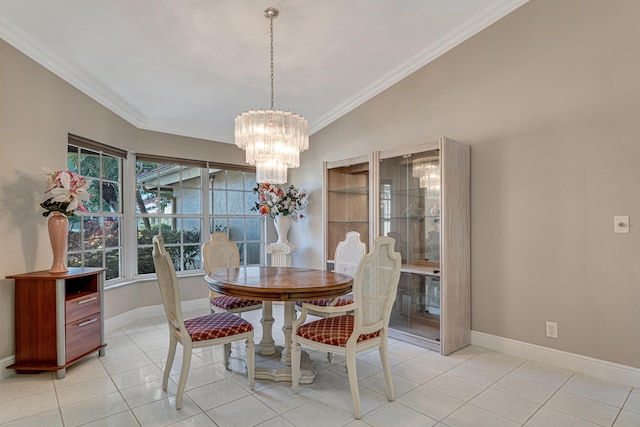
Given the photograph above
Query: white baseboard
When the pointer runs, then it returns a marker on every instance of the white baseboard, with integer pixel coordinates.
(4, 372)
(601, 369)
(123, 319)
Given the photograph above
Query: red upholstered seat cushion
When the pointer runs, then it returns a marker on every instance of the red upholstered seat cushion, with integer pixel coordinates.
(332, 330)
(232, 303)
(216, 326)
(325, 302)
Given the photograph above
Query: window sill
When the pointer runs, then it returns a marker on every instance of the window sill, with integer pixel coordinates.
(150, 278)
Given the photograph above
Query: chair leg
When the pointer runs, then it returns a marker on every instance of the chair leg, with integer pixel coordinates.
(184, 373)
(384, 358)
(227, 355)
(296, 353)
(251, 364)
(170, 357)
(353, 382)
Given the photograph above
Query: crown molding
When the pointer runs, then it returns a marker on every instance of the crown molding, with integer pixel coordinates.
(89, 86)
(84, 83)
(466, 30)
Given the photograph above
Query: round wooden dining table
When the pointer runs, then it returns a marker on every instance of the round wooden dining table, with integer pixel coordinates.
(286, 284)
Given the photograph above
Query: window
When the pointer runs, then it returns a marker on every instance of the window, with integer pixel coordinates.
(170, 196)
(169, 203)
(94, 236)
(181, 200)
(231, 211)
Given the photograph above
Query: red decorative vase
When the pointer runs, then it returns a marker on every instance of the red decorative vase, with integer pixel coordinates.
(58, 232)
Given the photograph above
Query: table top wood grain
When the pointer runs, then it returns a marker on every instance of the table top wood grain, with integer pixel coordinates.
(279, 283)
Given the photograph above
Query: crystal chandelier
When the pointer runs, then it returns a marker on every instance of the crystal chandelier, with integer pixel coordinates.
(272, 139)
(427, 170)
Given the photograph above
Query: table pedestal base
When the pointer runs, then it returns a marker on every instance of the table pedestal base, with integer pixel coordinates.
(270, 367)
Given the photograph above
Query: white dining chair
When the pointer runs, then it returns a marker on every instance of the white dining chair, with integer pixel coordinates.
(374, 292)
(347, 256)
(203, 331)
(219, 253)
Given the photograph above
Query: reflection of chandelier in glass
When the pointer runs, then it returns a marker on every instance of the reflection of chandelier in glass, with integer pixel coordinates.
(273, 139)
(427, 170)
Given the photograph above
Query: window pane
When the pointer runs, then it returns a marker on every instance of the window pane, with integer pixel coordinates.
(72, 158)
(167, 200)
(191, 230)
(110, 168)
(112, 264)
(190, 201)
(236, 229)
(93, 205)
(241, 250)
(218, 179)
(75, 242)
(146, 230)
(111, 232)
(235, 202)
(190, 177)
(145, 199)
(192, 258)
(145, 260)
(110, 197)
(174, 253)
(235, 180)
(250, 203)
(219, 225)
(252, 228)
(253, 253)
(93, 238)
(93, 259)
(75, 260)
(219, 203)
(169, 231)
(250, 181)
(90, 164)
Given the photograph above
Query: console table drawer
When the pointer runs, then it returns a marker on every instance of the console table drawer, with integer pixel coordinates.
(82, 336)
(82, 306)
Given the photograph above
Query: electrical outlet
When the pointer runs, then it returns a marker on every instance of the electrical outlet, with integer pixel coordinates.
(552, 329)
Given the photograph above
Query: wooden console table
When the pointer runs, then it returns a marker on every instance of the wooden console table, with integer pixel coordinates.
(58, 319)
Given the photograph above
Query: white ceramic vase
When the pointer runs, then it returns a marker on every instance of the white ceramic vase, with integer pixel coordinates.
(282, 224)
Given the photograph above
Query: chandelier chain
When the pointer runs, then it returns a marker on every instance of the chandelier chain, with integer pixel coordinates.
(272, 97)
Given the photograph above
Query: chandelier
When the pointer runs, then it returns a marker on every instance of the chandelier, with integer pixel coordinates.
(427, 170)
(272, 139)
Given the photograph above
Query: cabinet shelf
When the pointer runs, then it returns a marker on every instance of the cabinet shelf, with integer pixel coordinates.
(350, 190)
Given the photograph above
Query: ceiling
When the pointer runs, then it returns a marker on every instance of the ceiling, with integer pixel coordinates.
(188, 67)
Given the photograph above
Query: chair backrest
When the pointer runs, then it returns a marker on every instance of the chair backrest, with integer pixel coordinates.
(348, 254)
(219, 253)
(168, 282)
(375, 285)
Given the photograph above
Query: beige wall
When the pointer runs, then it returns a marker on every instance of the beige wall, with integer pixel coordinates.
(549, 100)
(37, 111)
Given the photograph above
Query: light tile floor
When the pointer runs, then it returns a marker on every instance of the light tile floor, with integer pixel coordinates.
(473, 387)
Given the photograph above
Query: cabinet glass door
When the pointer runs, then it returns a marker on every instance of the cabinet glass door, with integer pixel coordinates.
(410, 213)
(347, 204)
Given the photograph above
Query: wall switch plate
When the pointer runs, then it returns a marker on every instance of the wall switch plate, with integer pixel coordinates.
(552, 329)
(621, 224)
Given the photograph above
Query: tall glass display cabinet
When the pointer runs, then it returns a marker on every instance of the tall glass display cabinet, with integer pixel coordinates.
(424, 196)
(420, 196)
